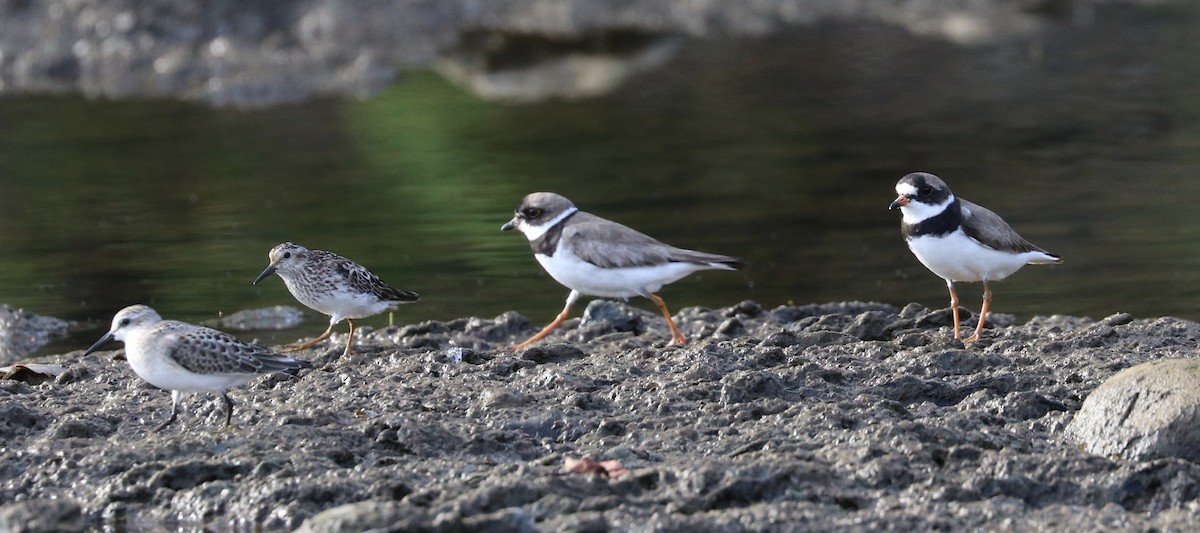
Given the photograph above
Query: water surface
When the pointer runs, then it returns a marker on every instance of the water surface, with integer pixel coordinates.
(782, 150)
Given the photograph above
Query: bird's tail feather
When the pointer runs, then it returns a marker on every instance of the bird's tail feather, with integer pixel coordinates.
(1044, 258)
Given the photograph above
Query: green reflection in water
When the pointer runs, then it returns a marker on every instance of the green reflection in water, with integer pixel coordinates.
(781, 150)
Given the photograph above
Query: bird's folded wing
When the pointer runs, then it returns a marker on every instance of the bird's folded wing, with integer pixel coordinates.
(989, 229)
(214, 352)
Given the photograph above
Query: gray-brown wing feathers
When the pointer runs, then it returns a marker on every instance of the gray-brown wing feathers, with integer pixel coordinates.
(987, 227)
(365, 281)
(208, 351)
(607, 244)
(361, 279)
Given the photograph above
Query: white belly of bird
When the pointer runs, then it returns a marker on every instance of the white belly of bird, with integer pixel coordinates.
(147, 356)
(342, 304)
(592, 280)
(958, 257)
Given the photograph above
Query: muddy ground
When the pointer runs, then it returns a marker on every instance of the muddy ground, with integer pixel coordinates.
(836, 416)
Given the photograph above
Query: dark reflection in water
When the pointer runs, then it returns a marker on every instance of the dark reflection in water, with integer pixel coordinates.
(782, 150)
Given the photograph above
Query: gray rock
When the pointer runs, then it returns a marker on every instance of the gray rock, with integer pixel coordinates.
(779, 339)
(823, 338)
(544, 353)
(1118, 319)
(872, 325)
(731, 327)
(505, 326)
(38, 515)
(462, 355)
(278, 317)
(613, 316)
(363, 516)
(913, 311)
(1144, 412)
(82, 426)
(17, 419)
(23, 332)
(747, 308)
(840, 310)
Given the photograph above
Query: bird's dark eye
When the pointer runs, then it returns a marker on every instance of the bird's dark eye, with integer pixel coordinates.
(925, 191)
(531, 213)
(124, 322)
(287, 255)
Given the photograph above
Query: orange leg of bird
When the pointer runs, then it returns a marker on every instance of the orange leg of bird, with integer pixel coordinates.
(954, 308)
(677, 337)
(310, 344)
(558, 320)
(983, 313)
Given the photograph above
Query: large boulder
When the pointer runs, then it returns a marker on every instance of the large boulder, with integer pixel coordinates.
(1143, 412)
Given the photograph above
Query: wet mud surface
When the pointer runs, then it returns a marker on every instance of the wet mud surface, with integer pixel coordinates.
(835, 416)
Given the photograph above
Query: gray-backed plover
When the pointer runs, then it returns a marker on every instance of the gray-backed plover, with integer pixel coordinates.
(959, 240)
(598, 257)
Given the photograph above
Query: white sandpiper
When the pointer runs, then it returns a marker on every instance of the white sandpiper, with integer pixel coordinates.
(185, 358)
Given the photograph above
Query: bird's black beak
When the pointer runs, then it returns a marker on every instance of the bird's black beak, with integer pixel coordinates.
(267, 272)
(899, 202)
(510, 224)
(107, 338)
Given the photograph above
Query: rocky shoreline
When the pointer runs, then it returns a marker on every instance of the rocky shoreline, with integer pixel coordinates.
(252, 53)
(833, 416)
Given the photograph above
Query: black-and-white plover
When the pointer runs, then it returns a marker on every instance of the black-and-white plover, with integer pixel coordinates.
(597, 257)
(332, 285)
(185, 358)
(959, 240)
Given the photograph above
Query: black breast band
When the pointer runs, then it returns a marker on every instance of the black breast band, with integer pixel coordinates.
(548, 242)
(944, 223)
